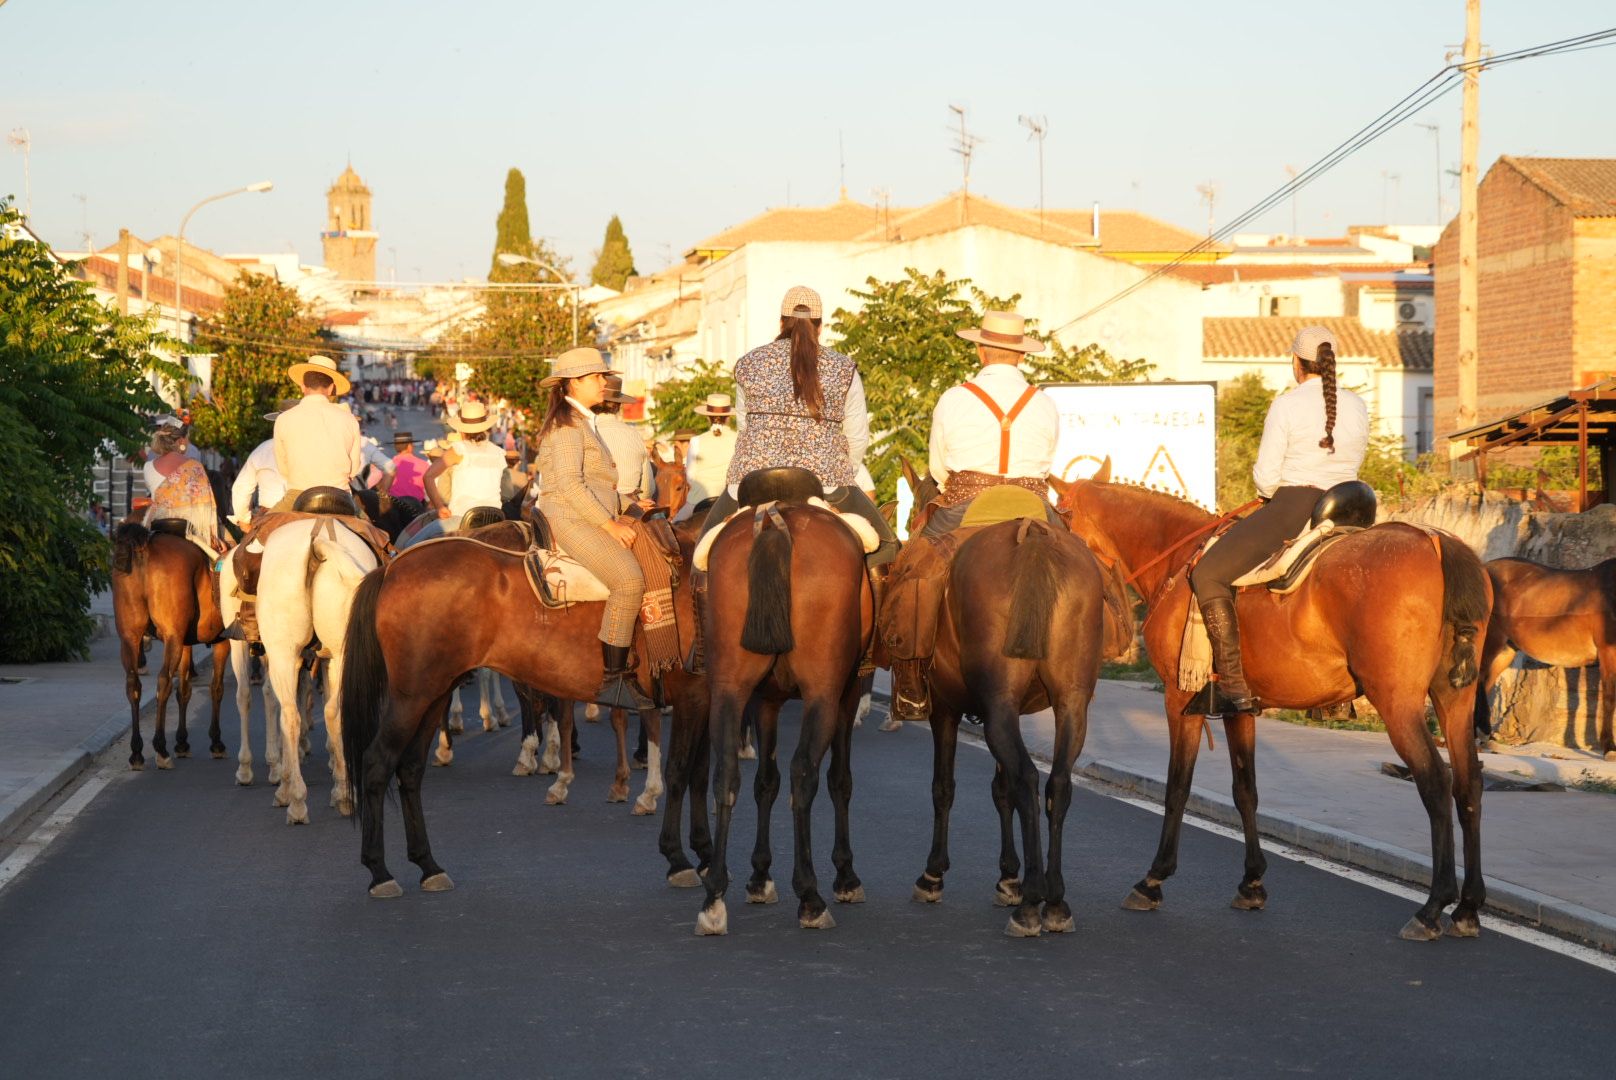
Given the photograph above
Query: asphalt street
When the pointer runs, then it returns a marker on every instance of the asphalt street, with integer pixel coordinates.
(179, 928)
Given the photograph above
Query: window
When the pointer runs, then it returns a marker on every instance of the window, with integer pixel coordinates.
(1426, 421)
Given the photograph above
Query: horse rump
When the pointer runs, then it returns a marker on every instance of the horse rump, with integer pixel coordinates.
(767, 629)
(129, 542)
(1034, 585)
(1466, 603)
(364, 680)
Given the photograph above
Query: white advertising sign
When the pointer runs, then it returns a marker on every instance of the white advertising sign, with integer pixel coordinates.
(1162, 435)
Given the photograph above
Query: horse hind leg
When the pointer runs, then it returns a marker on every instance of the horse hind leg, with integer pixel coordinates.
(1405, 725)
(944, 741)
(1455, 710)
(557, 795)
(411, 769)
(221, 656)
(651, 721)
(1007, 892)
(1003, 730)
(173, 656)
(241, 666)
(847, 888)
(618, 792)
(819, 719)
(182, 725)
(1071, 731)
(130, 653)
(760, 888)
(456, 724)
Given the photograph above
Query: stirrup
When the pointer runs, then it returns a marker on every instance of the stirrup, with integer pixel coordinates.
(618, 690)
(1210, 700)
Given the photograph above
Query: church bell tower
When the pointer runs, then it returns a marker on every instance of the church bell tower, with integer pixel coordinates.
(349, 239)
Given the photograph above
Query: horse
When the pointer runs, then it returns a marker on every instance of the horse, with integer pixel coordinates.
(241, 665)
(790, 612)
(669, 477)
(1034, 597)
(411, 635)
(310, 571)
(1392, 613)
(163, 584)
(1563, 618)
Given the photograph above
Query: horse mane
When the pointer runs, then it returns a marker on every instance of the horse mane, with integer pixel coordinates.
(1157, 500)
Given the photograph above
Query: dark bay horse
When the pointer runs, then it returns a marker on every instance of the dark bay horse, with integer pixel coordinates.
(1392, 613)
(1563, 618)
(165, 584)
(790, 612)
(413, 634)
(1032, 598)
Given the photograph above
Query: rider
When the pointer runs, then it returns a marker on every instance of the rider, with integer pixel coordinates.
(578, 496)
(633, 461)
(1315, 436)
(182, 489)
(707, 460)
(474, 463)
(408, 468)
(371, 453)
(258, 474)
(317, 441)
(993, 430)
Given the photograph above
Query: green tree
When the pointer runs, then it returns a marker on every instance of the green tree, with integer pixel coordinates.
(512, 236)
(261, 328)
(77, 380)
(615, 264)
(674, 401)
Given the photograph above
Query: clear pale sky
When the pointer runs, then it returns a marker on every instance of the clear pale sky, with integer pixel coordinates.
(687, 118)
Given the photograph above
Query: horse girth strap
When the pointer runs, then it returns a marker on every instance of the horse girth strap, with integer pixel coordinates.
(1005, 419)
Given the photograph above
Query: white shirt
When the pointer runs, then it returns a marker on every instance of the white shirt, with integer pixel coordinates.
(585, 413)
(317, 444)
(258, 473)
(1290, 454)
(707, 466)
(476, 476)
(965, 433)
(371, 454)
(628, 453)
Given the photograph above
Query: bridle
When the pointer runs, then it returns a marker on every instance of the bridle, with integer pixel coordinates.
(1131, 577)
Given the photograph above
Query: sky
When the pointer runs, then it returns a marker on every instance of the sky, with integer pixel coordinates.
(685, 119)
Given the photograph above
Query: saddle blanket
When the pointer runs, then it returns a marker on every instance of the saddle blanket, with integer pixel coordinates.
(868, 540)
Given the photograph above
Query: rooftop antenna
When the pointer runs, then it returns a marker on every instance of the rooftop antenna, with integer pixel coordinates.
(21, 142)
(841, 156)
(883, 199)
(1037, 127)
(84, 208)
(964, 145)
(1208, 192)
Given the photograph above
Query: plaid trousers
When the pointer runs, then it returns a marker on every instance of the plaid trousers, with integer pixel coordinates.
(616, 567)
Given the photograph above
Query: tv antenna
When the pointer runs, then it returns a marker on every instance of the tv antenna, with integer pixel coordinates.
(883, 199)
(1208, 192)
(1037, 127)
(965, 145)
(21, 142)
(84, 207)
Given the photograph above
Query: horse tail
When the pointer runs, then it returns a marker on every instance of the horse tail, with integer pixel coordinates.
(1465, 606)
(768, 603)
(364, 680)
(1034, 586)
(129, 542)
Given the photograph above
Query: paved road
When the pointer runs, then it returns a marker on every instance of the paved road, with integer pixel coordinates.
(178, 928)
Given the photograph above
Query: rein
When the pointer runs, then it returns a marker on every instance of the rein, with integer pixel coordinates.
(1132, 577)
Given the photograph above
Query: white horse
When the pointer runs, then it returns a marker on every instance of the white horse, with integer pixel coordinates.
(492, 710)
(241, 665)
(298, 602)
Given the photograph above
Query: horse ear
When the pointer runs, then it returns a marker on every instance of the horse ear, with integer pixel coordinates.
(889, 511)
(1103, 475)
(1061, 487)
(909, 474)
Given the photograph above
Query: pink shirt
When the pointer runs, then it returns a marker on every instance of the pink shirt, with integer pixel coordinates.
(407, 472)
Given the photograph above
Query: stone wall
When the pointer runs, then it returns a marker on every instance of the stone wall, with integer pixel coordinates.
(1531, 703)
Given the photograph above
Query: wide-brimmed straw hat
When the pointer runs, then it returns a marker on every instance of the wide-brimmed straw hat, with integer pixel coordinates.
(472, 418)
(281, 406)
(325, 366)
(1003, 330)
(614, 391)
(801, 302)
(717, 405)
(575, 363)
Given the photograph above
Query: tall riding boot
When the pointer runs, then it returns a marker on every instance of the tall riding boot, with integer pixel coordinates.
(618, 689)
(696, 662)
(878, 590)
(1231, 694)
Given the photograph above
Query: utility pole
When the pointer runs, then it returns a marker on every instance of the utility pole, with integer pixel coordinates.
(1436, 137)
(1037, 127)
(123, 271)
(1469, 147)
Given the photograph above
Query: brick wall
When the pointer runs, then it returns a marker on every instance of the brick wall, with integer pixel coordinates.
(1525, 304)
(1593, 314)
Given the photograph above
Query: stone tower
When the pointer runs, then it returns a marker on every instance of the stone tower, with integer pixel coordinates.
(349, 239)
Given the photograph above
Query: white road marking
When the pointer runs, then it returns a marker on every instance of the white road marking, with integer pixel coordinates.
(1496, 922)
(40, 838)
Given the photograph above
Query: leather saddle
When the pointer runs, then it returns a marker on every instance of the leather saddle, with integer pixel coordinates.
(326, 500)
(479, 516)
(1345, 509)
(170, 526)
(787, 484)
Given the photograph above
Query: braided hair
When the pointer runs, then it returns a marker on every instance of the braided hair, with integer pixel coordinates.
(1323, 365)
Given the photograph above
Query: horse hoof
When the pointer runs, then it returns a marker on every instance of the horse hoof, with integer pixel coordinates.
(1007, 894)
(137, 764)
(855, 895)
(441, 760)
(1014, 927)
(1464, 924)
(928, 890)
(1417, 930)
(617, 795)
(504, 721)
(297, 815)
(684, 879)
(592, 713)
(747, 753)
(822, 921)
(244, 778)
(183, 752)
(1252, 897)
(386, 890)
(713, 921)
(439, 882)
(345, 807)
(216, 755)
(765, 895)
(164, 762)
(1138, 901)
(892, 724)
(522, 769)
(280, 799)
(556, 796)
(1058, 918)
(644, 806)
(274, 775)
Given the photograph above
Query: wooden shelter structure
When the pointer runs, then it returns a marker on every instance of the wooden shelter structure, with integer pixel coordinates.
(1583, 418)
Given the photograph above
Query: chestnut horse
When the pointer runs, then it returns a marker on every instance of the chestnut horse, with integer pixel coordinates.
(1033, 598)
(1564, 618)
(165, 584)
(413, 634)
(1392, 613)
(790, 613)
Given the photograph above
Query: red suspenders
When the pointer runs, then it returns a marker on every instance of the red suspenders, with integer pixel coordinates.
(1005, 419)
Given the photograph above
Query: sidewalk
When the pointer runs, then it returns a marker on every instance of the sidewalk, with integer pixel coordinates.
(1549, 856)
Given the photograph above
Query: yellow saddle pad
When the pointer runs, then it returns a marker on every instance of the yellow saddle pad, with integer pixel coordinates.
(1007, 502)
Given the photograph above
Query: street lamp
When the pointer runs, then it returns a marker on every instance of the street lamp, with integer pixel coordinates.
(511, 259)
(179, 247)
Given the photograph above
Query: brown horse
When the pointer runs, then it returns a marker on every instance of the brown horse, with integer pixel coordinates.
(1032, 596)
(413, 633)
(1563, 618)
(669, 477)
(789, 614)
(164, 585)
(1392, 613)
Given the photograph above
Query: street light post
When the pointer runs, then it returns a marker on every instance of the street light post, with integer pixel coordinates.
(512, 259)
(179, 246)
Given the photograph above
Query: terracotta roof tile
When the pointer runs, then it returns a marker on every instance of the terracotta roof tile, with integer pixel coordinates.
(843, 220)
(1129, 230)
(1585, 186)
(103, 272)
(1258, 336)
(956, 211)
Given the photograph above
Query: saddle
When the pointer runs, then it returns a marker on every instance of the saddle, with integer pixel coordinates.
(787, 484)
(326, 500)
(868, 540)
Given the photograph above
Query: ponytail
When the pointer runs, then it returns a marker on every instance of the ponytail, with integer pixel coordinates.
(804, 337)
(1324, 367)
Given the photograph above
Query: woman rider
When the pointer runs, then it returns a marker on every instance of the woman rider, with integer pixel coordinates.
(180, 489)
(1315, 436)
(474, 465)
(578, 495)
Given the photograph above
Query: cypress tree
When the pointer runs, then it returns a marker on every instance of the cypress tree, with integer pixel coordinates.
(511, 231)
(616, 262)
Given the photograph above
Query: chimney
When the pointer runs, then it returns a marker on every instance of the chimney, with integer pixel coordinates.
(1096, 226)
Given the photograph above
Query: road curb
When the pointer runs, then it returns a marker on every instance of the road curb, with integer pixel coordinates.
(1539, 909)
(18, 807)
